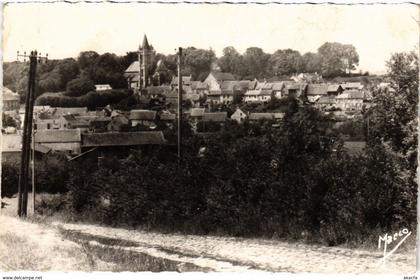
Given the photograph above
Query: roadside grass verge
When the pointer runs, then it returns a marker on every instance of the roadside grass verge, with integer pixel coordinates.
(17, 253)
(37, 248)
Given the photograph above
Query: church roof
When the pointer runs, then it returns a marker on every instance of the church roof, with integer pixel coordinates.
(134, 67)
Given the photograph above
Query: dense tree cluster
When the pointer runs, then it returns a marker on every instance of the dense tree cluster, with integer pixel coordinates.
(331, 60)
(92, 99)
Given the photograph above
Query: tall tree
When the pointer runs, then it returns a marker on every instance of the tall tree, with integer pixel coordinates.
(79, 87)
(337, 59)
(198, 62)
(231, 61)
(393, 117)
(255, 62)
(350, 57)
(311, 62)
(285, 62)
(87, 59)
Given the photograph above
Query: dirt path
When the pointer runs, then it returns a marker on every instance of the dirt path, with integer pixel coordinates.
(91, 247)
(257, 254)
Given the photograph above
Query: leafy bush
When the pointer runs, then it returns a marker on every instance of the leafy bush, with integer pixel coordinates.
(51, 174)
(79, 87)
(92, 99)
(9, 179)
(48, 205)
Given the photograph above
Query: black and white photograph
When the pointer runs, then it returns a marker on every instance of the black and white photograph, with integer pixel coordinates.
(209, 137)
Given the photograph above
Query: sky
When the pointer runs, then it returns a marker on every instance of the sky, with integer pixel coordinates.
(64, 30)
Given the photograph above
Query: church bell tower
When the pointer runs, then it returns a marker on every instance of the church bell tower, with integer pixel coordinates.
(145, 54)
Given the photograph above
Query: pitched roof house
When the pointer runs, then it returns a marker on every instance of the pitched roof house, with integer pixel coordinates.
(112, 139)
(118, 123)
(264, 85)
(186, 81)
(66, 140)
(326, 102)
(238, 115)
(215, 117)
(99, 124)
(197, 112)
(245, 85)
(261, 116)
(10, 100)
(352, 85)
(258, 95)
(334, 89)
(317, 89)
(294, 89)
(158, 90)
(72, 122)
(167, 117)
(351, 100)
(60, 111)
(222, 76)
(11, 148)
(103, 87)
(144, 115)
(197, 85)
(215, 79)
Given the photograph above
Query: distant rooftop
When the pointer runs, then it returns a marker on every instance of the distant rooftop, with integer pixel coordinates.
(123, 139)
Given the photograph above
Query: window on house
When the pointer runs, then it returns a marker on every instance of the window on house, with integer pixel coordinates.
(48, 126)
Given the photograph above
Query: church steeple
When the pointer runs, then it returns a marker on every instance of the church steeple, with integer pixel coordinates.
(145, 56)
(145, 43)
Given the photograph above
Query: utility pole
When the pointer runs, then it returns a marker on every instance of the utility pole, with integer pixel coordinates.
(179, 102)
(27, 132)
(33, 170)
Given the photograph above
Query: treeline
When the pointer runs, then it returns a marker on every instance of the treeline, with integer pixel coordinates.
(331, 60)
(76, 76)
